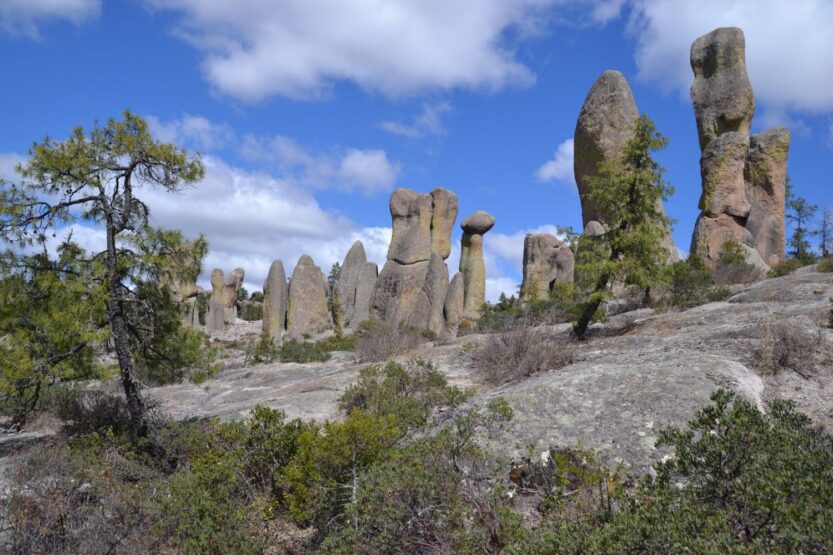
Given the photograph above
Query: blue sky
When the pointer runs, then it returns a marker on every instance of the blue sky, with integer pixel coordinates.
(308, 113)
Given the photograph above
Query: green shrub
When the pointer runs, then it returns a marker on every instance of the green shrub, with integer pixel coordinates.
(690, 282)
(825, 265)
(784, 267)
(376, 341)
(409, 393)
(251, 311)
(720, 293)
(732, 253)
(264, 350)
(303, 352)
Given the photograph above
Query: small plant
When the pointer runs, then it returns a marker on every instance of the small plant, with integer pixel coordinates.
(690, 283)
(784, 267)
(264, 350)
(519, 353)
(303, 352)
(376, 341)
(786, 346)
(825, 265)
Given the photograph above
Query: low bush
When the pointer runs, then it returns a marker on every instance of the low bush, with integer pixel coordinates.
(690, 282)
(509, 312)
(825, 265)
(784, 345)
(250, 310)
(519, 353)
(376, 341)
(303, 352)
(784, 267)
(85, 412)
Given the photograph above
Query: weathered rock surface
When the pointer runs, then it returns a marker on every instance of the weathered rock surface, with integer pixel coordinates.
(348, 281)
(766, 173)
(604, 126)
(444, 214)
(232, 286)
(721, 169)
(411, 238)
(546, 261)
(594, 229)
(472, 264)
(454, 301)
(639, 373)
(710, 234)
(307, 307)
(399, 296)
(436, 289)
(275, 301)
(364, 292)
(215, 319)
(721, 92)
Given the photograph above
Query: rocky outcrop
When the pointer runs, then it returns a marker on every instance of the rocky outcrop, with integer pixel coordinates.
(472, 264)
(454, 301)
(231, 288)
(605, 125)
(766, 177)
(348, 281)
(215, 319)
(444, 214)
(364, 292)
(721, 93)
(307, 311)
(411, 238)
(744, 179)
(275, 301)
(546, 261)
(436, 289)
(412, 286)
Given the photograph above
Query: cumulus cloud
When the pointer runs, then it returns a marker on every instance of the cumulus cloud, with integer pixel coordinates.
(24, 17)
(254, 49)
(560, 167)
(8, 163)
(788, 46)
(192, 131)
(428, 123)
(369, 170)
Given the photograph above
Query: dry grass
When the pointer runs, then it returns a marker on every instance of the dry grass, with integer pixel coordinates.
(520, 353)
(376, 342)
(783, 345)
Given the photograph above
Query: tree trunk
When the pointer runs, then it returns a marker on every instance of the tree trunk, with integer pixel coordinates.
(121, 341)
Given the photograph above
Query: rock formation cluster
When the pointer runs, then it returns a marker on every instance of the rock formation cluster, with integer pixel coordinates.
(546, 261)
(743, 177)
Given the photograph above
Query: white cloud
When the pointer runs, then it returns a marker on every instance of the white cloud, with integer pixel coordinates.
(23, 17)
(427, 123)
(192, 131)
(788, 46)
(254, 49)
(560, 167)
(367, 170)
(8, 163)
(252, 218)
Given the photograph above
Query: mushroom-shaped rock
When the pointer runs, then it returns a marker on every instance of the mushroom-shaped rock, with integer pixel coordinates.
(275, 301)
(472, 264)
(444, 213)
(307, 308)
(546, 261)
(215, 319)
(721, 92)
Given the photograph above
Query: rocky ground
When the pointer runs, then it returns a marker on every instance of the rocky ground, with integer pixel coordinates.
(640, 372)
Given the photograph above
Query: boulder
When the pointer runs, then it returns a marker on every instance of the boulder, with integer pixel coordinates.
(230, 290)
(604, 125)
(275, 301)
(307, 311)
(766, 173)
(348, 281)
(444, 213)
(411, 237)
(472, 264)
(364, 292)
(436, 289)
(710, 234)
(594, 229)
(721, 92)
(399, 296)
(453, 306)
(722, 171)
(546, 261)
(215, 319)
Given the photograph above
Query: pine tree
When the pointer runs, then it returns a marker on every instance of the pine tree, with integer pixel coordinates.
(800, 212)
(627, 193)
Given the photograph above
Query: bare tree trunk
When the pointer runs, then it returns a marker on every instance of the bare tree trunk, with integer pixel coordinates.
(121, 341)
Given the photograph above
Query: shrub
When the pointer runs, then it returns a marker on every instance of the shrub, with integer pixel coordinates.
(508, 313)
(519, 353)
(786, 346)
(825, 265)
(85, 412)
(410, 392)
(784, 267)
(690, 282)
(376, 341)
(265, 350)
(731, 253)
(251, 311)
(303, 352)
